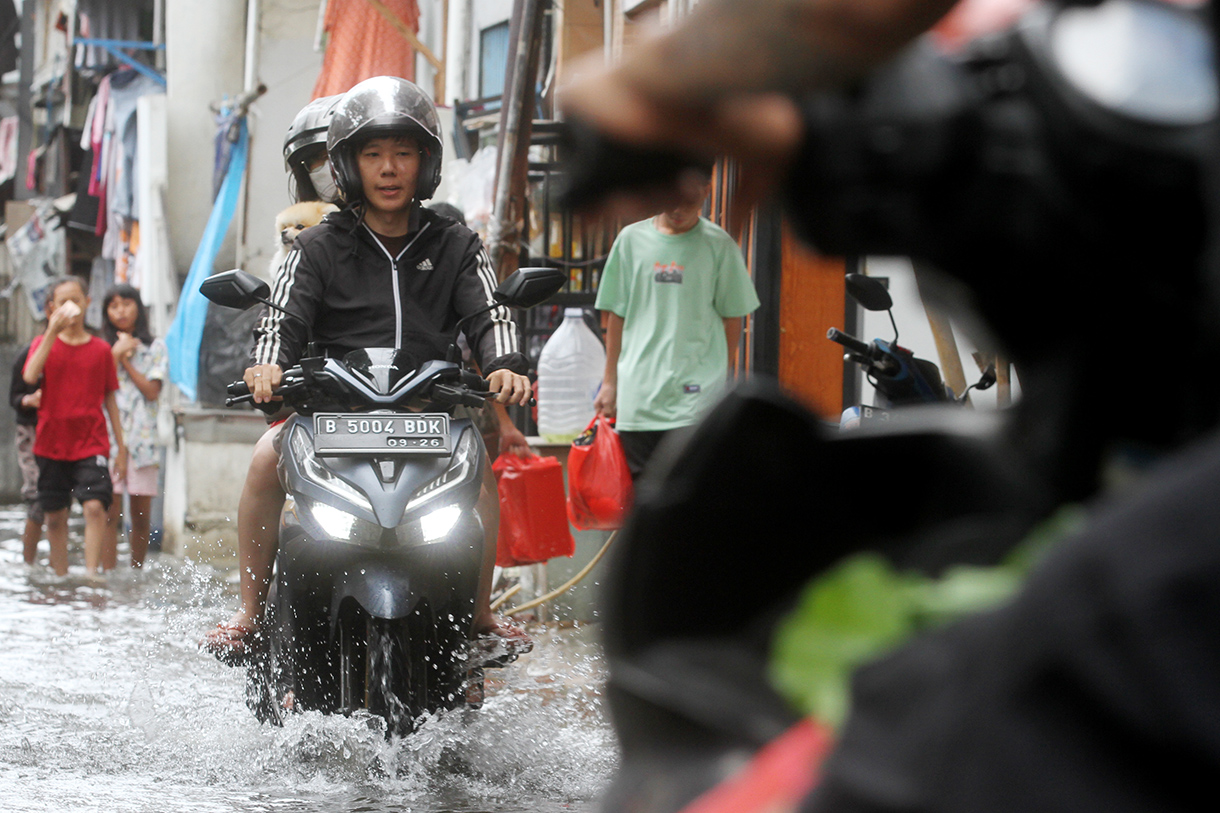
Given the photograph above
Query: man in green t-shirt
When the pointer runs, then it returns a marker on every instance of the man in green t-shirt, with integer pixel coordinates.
(675, 288)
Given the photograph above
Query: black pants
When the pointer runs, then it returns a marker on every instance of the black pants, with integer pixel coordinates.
(638, 448)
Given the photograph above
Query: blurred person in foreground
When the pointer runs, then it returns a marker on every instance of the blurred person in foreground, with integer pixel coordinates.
(1098, 686)
(722, 84)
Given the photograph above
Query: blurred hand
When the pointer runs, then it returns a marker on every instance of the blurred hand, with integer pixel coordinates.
(512, 441)
(261, 379)
(62, 316)
(606, 401)
(761, 132)
(32, 400)
(124, 346)
(120, 463)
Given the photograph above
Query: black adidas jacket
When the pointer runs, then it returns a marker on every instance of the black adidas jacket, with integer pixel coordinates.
(341, 280)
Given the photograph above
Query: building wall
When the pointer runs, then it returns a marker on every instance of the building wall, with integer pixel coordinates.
(288, 66)
(205, 46)
(485, 13)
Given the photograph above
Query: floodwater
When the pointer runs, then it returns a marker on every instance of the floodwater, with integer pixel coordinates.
(107, 705)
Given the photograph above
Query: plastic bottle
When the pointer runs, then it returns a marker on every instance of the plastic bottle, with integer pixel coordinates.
(569, 373)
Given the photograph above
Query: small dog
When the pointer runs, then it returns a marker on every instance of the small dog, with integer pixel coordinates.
(292, 221)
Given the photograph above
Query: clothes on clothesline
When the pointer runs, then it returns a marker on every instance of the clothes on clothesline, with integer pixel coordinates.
(48, 161)
(85, 210)
(363, 43)
(110, 135)
(8, 148)
(105, 19)
(101, 280)
(10, 25)
(38, 253)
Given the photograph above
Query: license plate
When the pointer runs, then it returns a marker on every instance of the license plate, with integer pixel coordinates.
(361, 433)
(878, 414)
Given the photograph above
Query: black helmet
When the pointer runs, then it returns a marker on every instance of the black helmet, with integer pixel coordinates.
(306, 137)
(384, 106)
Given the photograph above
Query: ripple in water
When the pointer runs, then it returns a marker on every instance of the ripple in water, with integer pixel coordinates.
(107, 705)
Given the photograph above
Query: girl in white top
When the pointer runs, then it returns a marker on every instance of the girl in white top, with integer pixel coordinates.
(142, 365)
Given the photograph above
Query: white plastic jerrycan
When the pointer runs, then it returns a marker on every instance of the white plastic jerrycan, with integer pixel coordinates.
(569, 373)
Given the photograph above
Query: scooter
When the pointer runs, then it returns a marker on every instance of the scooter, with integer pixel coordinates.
(380, 541)
(900, 378)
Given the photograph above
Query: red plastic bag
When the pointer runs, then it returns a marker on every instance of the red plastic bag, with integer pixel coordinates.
(533, 523)
(599, 483)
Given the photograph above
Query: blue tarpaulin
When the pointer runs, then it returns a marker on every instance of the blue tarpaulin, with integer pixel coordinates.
(186, 332)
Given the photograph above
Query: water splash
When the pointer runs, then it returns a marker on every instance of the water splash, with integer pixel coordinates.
(107, 704)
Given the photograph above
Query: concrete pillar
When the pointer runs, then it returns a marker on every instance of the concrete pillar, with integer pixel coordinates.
(288, 66)
(457, 52)
(205, 54)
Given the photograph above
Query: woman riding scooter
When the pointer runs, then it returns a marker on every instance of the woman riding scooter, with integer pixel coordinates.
(305, 156)
(384, 271)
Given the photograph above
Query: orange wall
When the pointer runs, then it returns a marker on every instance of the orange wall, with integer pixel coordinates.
(811, 302)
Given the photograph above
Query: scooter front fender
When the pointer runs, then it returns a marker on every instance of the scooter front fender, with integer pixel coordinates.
(431, 580)
(386, 583)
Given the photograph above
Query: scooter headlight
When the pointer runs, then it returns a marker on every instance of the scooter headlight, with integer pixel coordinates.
(436, 524)
(315, 472)
(432, 518)
(463, 467)
(324, 521)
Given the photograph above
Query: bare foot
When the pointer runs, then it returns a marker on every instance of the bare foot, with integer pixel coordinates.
(502, 642)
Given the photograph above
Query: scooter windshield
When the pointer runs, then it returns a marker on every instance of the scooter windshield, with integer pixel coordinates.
(382, 368)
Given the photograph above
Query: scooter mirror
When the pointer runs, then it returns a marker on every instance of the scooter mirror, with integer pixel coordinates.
(869, 292)
(527, 287)
(987, 379)
(1147, 61)
(235, 289)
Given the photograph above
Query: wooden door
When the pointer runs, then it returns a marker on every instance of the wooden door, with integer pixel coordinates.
(811, 302)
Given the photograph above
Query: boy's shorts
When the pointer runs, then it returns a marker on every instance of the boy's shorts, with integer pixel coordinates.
(24, 436)
(639, 447)
(61, 480)
(141, 482)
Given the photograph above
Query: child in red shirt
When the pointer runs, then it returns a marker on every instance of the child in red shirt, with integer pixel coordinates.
(72, 444)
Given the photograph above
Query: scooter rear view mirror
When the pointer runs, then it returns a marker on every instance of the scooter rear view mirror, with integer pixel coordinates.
(235, 289)
(869, 292)
(527, 287)
(1149, 62)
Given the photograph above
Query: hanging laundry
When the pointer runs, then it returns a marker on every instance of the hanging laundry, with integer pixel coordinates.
(38, 252)
(105, 19)
(10, 24)
(101, 280)
(85, 211)
(95, 130)
(8, 146)
(365, 43)
(111, 134)
(126, 88)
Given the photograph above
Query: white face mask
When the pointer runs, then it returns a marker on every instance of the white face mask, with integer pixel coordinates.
(324, 183)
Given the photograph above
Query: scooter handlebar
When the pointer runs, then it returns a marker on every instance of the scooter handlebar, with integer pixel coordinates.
(239, 392)
(850, 342)
(470, 389)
